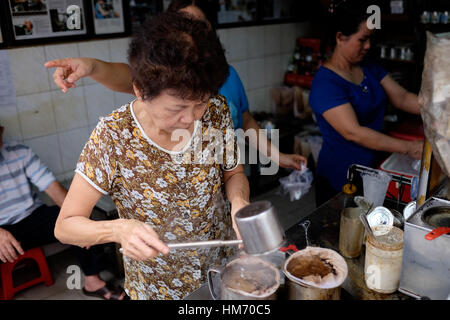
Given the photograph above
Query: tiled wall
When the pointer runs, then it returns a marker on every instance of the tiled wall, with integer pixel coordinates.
(57, 125)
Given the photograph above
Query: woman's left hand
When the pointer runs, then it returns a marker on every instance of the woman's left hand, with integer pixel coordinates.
(292, 161)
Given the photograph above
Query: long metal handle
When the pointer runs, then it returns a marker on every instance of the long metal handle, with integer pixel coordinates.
(199, 244)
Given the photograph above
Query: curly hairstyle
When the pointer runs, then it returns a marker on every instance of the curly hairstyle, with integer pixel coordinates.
(181, 55)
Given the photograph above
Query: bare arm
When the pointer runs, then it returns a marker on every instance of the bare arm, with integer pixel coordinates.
(114, 76)
(56, 192)
(400, 97)
(73, 226)
(238, 191)
(264, 146)
(343, 120)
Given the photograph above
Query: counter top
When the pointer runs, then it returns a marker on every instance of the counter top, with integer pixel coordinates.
(323, 231)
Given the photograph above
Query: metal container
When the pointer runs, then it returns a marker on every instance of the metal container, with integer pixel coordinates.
(426, 264)
(245, 278)
(303, 289)
(260, 228)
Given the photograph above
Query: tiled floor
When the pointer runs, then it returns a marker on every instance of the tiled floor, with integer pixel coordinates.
(289, 213)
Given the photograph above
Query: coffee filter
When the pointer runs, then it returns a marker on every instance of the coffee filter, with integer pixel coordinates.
(301, 263)
(251, 276)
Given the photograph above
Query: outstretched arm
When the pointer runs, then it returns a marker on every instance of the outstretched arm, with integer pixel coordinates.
(113, 75)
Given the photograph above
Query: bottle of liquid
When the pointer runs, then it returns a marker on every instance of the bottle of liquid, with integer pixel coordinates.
(349, 191)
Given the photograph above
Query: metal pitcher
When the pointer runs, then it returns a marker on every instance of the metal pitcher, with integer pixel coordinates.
(245, 278)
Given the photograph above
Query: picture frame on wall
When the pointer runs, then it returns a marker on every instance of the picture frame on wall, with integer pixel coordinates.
(109, 17)
(40, 21)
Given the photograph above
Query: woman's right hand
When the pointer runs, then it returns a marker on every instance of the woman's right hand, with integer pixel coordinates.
(415, 149)
(70, 70)
(139, 241)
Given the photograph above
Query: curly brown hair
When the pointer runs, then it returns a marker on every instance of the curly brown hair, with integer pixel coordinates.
(181, 55)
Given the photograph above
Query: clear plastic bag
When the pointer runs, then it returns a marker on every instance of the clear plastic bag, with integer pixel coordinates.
(297, 184)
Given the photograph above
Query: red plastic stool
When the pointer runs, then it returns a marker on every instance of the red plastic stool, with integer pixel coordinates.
(8, 290)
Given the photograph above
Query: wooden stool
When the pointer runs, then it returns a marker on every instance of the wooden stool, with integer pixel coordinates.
(6, 269)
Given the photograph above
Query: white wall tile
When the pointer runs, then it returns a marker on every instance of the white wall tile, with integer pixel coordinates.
(272, 71)
(94, 49)
(71, 144)
(238, 39)
(255, 48)
(47, 148)
(119, 49)
(288, 37)
(241, 68)
(224, 38)
(259, 100)
(256, 76)
(28, 71)
(36, 115)
(60, 51)
(99, 102)
(10, 120)
(272, 39)
(70, 109)
(121, 99)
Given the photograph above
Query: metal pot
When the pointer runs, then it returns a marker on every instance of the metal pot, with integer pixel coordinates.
(260, 228)
(245, 278)
(315, 288)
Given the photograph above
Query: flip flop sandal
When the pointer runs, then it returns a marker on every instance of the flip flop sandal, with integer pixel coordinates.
(114, 291)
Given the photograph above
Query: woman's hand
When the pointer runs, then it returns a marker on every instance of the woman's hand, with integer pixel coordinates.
(292, 161)
(70, 70)
(139, 241)
(415, 149)
(8, 246)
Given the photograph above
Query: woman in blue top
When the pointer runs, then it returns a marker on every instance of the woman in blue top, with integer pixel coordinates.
(348, 97)
(117, 77)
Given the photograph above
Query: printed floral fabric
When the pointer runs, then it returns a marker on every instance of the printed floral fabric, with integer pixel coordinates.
(181, 199)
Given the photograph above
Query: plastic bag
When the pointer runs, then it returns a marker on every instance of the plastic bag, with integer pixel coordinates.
(297, 184)
(435, 95)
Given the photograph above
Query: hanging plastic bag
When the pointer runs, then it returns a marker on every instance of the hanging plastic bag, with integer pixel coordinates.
(297, 184)
(435, 95)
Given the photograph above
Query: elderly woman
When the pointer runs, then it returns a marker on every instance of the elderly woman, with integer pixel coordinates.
(348, 97)
(117, 77)
(168, 160)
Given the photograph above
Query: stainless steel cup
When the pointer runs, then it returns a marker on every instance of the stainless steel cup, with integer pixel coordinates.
(260, 228)
(251, 267)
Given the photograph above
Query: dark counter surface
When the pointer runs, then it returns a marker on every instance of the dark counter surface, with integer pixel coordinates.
(323, 231)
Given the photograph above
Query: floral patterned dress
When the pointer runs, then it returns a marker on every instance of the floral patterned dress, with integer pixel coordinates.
(181, 199)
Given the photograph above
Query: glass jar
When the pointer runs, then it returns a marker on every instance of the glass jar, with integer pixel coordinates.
(351, 233)
(383, 263)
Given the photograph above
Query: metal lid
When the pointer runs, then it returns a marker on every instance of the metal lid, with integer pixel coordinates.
(409, 209)
(380, 216)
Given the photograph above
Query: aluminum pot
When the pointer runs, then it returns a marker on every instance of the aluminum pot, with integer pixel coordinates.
(314, 288)
(260, 228)
(245, 278)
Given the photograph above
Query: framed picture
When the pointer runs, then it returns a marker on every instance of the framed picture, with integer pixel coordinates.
(37, 21)
(109, 17)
